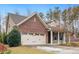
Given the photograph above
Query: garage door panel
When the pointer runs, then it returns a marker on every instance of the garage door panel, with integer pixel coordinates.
(31, 39)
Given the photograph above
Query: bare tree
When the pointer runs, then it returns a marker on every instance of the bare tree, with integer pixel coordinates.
(49, 14)
(41, 15)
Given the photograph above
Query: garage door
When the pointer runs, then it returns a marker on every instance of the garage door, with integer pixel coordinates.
(31, 39)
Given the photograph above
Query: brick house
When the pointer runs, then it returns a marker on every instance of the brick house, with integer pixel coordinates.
(35, 31)
(32, 28)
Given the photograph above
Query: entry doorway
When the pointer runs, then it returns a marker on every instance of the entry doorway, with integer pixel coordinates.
(55, 37)
(49, 39)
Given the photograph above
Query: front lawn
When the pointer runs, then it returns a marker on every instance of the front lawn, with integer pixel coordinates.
(73, 44)
(26, 50)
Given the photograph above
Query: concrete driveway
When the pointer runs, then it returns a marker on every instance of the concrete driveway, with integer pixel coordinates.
(60, 49)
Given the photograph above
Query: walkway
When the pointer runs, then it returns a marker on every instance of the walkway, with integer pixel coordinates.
(60, 49)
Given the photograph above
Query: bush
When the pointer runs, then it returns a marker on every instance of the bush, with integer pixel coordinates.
(0, 37)
(4, 38)
(14, 38)
(67, 44)
(77, 35)
(4, 50)
(74, 44)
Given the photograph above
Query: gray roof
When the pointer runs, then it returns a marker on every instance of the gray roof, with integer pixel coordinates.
(16, 18)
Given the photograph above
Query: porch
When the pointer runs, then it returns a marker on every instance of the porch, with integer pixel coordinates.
(56, 37)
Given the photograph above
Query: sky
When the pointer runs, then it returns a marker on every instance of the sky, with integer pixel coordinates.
(23, 8)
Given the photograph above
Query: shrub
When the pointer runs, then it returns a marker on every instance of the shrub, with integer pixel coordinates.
(74, 44)
(4, 38)
(4, 50)
(67, 44)
(77, 35)
(1, 37)
(14, 38)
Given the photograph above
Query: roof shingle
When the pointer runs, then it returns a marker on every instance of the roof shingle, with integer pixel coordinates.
(16, 18)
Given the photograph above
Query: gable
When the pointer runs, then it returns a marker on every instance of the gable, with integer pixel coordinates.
(13, 19)
(10, 24)
(34, 14)
(33, 24)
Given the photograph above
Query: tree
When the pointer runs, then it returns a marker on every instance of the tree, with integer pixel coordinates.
(0, 23)
(70, 16)
(49, 15)
(14, 38)
(2, 37)
(67, 18)
(75, 11)
(64, 18)
(41, 15)
(56, 13)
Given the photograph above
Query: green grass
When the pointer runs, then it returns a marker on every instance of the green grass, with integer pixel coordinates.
(26, 50)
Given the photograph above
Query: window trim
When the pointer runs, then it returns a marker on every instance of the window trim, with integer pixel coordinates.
(36, 34)
(41, 34)
(34, 19)
(30, 33)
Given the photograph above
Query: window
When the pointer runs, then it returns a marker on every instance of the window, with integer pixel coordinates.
(36, 34)
(24, 33)
(42, 34)
(30, 33)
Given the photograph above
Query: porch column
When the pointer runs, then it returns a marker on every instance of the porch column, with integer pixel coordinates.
(58, 38)
(64, 38)
(51, 36)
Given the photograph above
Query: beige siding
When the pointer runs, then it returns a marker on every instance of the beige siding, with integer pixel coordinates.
(10, 24)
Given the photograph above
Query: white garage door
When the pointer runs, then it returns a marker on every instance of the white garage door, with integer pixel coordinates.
(31, 39)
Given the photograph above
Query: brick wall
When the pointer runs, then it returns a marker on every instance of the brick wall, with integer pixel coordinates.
(33, 25)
